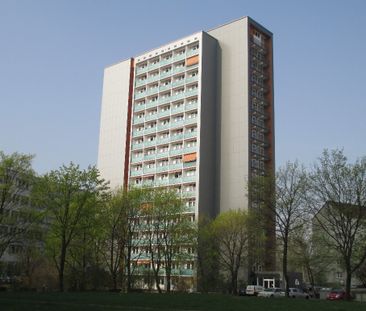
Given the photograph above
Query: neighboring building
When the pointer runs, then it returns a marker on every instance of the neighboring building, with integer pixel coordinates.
(340, 221)
(195, 114)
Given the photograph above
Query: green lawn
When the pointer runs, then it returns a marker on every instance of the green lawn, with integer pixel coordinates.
(153, 302)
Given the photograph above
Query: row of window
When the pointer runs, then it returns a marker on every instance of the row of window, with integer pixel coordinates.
(151, 125)
(166, 94)
(164, 136)
(258, 164)
(169, 81)
(168, 56)
(190, 104)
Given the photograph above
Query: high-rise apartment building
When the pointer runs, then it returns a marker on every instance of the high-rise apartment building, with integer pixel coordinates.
(195, 114)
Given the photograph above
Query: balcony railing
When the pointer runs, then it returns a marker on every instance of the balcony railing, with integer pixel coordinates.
(139, 107)
(189, 178)
(162, 168)
(137, 159)
(137, 146)
(136, 173)
(149, 156)
(177, 123)
(176, 152)
(190, 134)
(160, 155)
(150, 130)
(191, 92)
(190, 120)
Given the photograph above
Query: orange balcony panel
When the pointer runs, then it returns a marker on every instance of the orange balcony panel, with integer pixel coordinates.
(192, 60)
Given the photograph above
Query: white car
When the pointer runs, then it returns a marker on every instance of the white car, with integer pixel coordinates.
(253, 290)
(271, 293)
(297, 293)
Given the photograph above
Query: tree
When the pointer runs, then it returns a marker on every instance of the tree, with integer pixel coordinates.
(69, 194)
(291, 185)
(233, 231)
(309, 253)
(338, 202)
(16, 213)
(169, 233)
(285, 198)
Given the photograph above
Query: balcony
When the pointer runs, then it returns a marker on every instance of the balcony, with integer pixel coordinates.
(152, 91)
(162, 168)
(140, 82)
(141, 70)
(164, 100)
(176, 137)
(189, 194)
(160, 155)
(162, 182)
(149, 170)
(138, 120)
(153, 66)
(136, 173)
(178, 70)
(191, 106)
(190, 149)
(192, 79)
(140, 95)
(177, 96)
(190, 134)
(165, 87)
(152, 79)
(176, 152)
(165, 113)
(163, 127)
(190, 121)
(151, 104)
(177, 166)
(149, 143)
(177, 124)
(139, 107)
(164, 62)
(189, 164)
(137, 133)
(192, 52)
(174, 181)
(137, 146)
(137, 159)
(178, 83)
(150, 117)
(165, 74)
(163, 141)
(177, 109)
(149, 130)
(191, 92)
(189, 178)
(149, 157)
(179, 57)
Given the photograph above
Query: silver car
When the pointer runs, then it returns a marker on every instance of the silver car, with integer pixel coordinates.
(271, 293)
(297, 293)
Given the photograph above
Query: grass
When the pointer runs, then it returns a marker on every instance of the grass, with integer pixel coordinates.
(14, 301)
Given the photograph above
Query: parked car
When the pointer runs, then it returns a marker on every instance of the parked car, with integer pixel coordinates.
(253, 290)
(271, 293)
(241, 291)
(336, 294)
(297, 293)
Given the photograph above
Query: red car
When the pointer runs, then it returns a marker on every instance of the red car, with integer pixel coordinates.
(336, 294)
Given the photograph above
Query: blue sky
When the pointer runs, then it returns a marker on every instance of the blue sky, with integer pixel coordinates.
(52, 56)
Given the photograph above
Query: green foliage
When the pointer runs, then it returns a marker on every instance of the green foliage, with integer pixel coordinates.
(71, 197)
(16, 213)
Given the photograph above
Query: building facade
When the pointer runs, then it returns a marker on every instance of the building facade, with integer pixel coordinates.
(196, 115)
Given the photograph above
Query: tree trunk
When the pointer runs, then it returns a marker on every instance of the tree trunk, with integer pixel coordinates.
(348, 283)
(168, 279)
(128, 265)
(284, 265)
(62, 267)
(234, 282)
